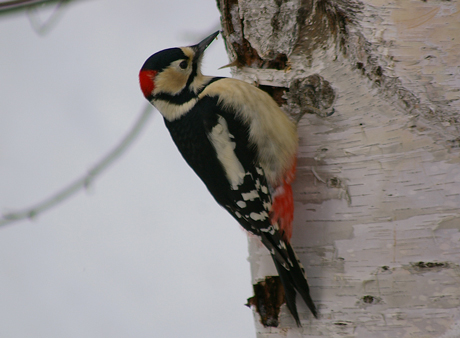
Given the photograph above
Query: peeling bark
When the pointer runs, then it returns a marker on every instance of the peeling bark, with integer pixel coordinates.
(378, 180)
(267, 300)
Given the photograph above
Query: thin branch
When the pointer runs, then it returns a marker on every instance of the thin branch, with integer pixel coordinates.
(43, 27)
(7, 6)
(84, 181)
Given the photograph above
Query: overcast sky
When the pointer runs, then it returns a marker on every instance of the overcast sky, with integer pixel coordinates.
(145, 252)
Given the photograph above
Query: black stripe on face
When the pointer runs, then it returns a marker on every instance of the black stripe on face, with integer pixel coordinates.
(193, 74)
(183, 97)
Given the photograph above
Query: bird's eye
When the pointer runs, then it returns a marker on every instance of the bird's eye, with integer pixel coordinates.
(183, 64)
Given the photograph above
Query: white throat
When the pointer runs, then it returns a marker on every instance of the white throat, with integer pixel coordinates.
(172, 111)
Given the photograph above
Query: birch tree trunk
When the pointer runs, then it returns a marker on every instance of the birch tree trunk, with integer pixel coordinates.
(378, 180)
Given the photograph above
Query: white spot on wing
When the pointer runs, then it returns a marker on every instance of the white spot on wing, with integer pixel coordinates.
(259, 217)
(267, 205)
(241, 204)
(250, 196)
(270, 230)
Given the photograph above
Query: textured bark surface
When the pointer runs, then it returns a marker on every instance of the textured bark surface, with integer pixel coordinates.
(378, 186)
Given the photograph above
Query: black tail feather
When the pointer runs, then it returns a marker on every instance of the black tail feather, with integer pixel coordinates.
(289, 291)
(300, 280)
(292, 280)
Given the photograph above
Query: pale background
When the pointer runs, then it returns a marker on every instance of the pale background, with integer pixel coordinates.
(146, 252)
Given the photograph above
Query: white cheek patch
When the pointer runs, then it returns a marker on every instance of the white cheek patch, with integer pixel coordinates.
(170, 81)
(220, 138)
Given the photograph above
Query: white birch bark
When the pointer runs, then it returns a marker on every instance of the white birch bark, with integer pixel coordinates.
(377, 194)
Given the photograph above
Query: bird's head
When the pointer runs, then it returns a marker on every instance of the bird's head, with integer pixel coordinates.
(172, 70)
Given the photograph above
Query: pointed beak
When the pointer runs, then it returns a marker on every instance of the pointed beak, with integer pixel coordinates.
(231, 64)
(200, 47)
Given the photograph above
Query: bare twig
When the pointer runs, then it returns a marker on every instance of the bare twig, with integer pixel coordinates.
(21, 4)
(43, 27)
(84, 181)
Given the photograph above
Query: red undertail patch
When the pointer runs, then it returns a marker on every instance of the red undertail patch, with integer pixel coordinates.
(282, 210)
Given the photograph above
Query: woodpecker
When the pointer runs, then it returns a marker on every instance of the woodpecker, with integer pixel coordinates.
(241, 145)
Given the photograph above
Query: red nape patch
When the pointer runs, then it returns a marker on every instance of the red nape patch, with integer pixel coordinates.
(282, 211)
(147, 81)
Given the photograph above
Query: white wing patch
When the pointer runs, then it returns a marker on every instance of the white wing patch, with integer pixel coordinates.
(221, 139)
(270, 130)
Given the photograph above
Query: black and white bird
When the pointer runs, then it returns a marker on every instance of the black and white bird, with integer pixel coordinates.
(241, 145)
